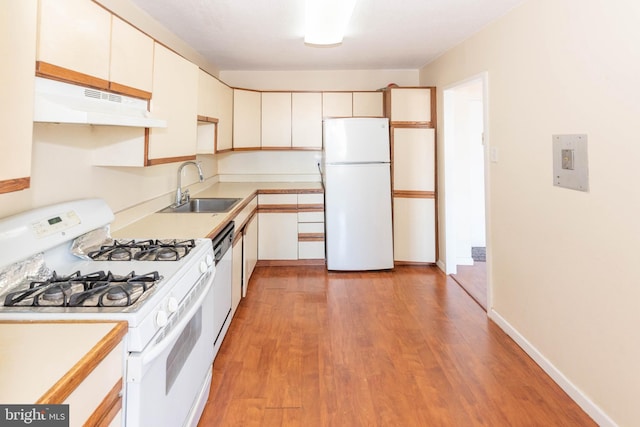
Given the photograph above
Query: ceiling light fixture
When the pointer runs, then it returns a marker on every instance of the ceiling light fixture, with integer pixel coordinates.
(326, 21)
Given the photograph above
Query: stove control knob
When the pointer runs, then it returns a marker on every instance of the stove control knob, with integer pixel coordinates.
(203, 267)
(209, 260)
(172, 304)
(161, 318)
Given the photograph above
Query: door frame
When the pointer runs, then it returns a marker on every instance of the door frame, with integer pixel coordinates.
(449, 210)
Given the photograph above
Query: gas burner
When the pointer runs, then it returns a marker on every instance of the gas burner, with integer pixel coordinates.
(57, 292)
(98, 289)
(143, 250)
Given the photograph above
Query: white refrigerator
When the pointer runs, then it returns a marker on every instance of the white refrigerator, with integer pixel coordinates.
(357, 184)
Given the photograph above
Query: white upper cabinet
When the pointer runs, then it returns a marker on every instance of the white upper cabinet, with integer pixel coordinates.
(223, 95)
(206, 95)
(414, 159)
(75, 34)
(337, 104)
(246, 119)
(215, 101)
(411, 105)
(368, 104)
(17, 49)
(175, 98)
(276, 120)
(131, 56)
(306, 120)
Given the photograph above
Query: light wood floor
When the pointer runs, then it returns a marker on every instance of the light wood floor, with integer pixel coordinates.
(404, 348)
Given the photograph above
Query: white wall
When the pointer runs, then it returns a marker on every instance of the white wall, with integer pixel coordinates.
(564, 262)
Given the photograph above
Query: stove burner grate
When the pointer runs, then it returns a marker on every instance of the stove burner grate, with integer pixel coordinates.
(98, 289)
(144, 250)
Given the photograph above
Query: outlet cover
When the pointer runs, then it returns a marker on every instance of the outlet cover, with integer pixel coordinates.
(570, 166)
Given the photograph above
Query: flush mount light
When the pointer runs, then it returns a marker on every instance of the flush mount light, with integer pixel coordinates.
(326, 21)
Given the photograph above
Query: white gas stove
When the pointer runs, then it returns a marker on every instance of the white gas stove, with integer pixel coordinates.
(162, 288)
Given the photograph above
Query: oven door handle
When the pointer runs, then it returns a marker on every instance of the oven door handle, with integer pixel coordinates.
(137, 362)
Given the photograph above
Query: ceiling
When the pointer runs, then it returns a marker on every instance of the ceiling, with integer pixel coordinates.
(268, 34)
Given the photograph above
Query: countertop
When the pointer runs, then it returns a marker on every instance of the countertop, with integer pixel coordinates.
(194, 225)
(41, 359)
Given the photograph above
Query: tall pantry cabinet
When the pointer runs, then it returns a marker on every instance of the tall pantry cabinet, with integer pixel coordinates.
(411, 113)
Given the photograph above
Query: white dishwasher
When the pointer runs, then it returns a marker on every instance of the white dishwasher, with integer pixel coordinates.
(221, 289)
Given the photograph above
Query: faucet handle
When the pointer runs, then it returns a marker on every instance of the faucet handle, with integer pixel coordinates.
(185, 196)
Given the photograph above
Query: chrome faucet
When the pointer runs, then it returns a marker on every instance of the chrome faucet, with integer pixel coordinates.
(182, 197)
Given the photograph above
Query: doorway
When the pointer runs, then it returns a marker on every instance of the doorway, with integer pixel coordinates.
(465, 142)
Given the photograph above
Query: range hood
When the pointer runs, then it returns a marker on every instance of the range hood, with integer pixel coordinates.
(59, 102)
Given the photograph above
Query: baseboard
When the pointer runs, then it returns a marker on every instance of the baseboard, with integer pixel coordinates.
(593, 410)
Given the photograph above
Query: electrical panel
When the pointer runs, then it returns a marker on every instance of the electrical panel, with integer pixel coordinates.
(570, 166)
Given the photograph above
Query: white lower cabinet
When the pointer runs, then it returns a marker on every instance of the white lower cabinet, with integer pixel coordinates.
(414, 236)
(277, 236)
(236, 275)
(249, 252)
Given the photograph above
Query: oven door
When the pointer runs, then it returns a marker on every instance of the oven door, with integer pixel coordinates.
(168, 382)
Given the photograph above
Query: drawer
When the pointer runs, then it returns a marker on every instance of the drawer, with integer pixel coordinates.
(311, 199)
(310, 250)
(310, 216)
(310, 227)
(277, 199)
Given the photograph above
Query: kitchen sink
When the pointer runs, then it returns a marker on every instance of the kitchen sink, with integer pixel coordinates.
(203, 205)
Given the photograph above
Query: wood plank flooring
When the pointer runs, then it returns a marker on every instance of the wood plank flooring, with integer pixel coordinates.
(406, 348)
(473, 279)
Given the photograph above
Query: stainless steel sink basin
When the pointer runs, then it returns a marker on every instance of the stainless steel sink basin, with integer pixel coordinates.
(203, 205)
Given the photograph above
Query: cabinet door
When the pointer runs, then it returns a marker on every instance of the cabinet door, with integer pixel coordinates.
(246, 119)
(236, 276)
(414, 230)
(249, 251)
(277, 236)
(206, 95)
(17, 49)
(175, 98)
(306, 120)
(337, 104)
(223, 96)
(368, 104)
(75, 34)
(276, 119)
(411, 105)
(413, 159)
(131, 57)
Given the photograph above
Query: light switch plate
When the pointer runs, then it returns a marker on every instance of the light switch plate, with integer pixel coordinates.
(570, 166)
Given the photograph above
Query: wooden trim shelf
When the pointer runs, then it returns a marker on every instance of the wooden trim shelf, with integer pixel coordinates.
(311, 208)
(278, 208)
(413, 125)
(293, 191)
(406, 194)
(289, 262)
(207, 119)
(44, 69)
(17, 184)
(54, 72)
(163, 160)
(108, 408)
(310, 237)
(129, 91)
